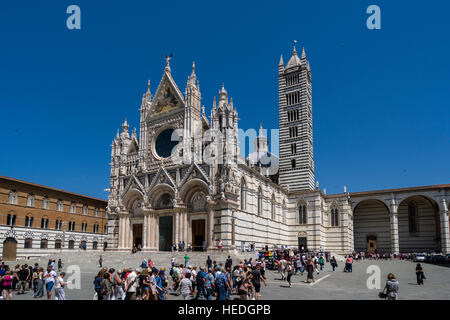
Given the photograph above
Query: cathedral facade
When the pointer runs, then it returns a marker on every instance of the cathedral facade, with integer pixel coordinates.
(182, 178)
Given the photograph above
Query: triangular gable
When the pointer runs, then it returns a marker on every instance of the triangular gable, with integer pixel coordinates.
(134, 146)
(133, 182)
(194, 169)
(162, 177)
(168, 96)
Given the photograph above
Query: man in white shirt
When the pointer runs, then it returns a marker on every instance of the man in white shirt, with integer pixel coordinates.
(50, 277)
(59, 287)
(131, 284)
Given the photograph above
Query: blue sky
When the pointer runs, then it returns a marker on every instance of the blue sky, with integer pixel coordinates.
(380, 97)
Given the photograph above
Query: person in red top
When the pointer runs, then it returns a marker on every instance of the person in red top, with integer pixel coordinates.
(7, 285)
(349, 263)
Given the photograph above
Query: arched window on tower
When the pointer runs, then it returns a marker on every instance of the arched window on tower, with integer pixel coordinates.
(302, 214)
(293, 163)
(243, 195)
(260, 201)
(413, 217)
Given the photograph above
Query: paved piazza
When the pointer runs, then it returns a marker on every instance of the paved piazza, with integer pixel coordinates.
(328, 285)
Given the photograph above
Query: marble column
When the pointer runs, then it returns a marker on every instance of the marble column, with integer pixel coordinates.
(445, 238)
(121, 232)
(210, 229)
(177, 227)
(145, 230)
(395, 245)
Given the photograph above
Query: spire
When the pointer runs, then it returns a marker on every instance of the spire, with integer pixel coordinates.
(148, 86)
(303, 53)
(260, 129)
(281, 63)
(125, 128)
(223, 95)
(294, 61)
(192, 79)
(125, 125)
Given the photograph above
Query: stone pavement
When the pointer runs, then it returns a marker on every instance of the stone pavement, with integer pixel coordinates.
(336, 285)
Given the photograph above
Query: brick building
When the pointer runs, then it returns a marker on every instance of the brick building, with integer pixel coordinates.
(37, 220)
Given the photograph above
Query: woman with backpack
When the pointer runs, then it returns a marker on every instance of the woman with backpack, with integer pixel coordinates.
(97, 285)
(321, 262)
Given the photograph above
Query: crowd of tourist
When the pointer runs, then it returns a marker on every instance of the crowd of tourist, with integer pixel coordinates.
(210, 281)
(24, 278)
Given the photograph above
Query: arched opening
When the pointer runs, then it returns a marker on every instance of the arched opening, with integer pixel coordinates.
(71, 244)
(28, 244)
(44, 243)
(260, 201)
(9, 249)
(371, 227)
(302, 217)
(95, 245)
(58, 244)
(418, 225)
(243, 195)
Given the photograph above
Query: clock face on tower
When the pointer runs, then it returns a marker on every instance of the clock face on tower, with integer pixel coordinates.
(166, 141)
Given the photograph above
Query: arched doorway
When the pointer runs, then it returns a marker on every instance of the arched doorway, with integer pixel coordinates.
(71, 244)
(9, 249)
(95, 245)
(371, 227)
(165, 233)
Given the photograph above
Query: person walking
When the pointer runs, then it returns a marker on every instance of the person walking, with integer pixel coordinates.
(186, 286)
(209, 263)
(283, 264)
(106, 287)
(186, 260)
(100, 261)
(209, 285)
(333, 263)
(220, 245)
(309, 270)
(59, 287)
(290, 272)
(131, 285)
(60, 265)
(321, 262)
(39, 293)
(50, 277)
(117, 285)
(419, 274)
(200, 283)
(7, 279)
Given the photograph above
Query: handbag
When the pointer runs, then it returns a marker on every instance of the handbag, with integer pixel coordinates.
(382, 295)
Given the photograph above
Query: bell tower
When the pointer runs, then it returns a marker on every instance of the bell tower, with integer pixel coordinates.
(296, 168)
